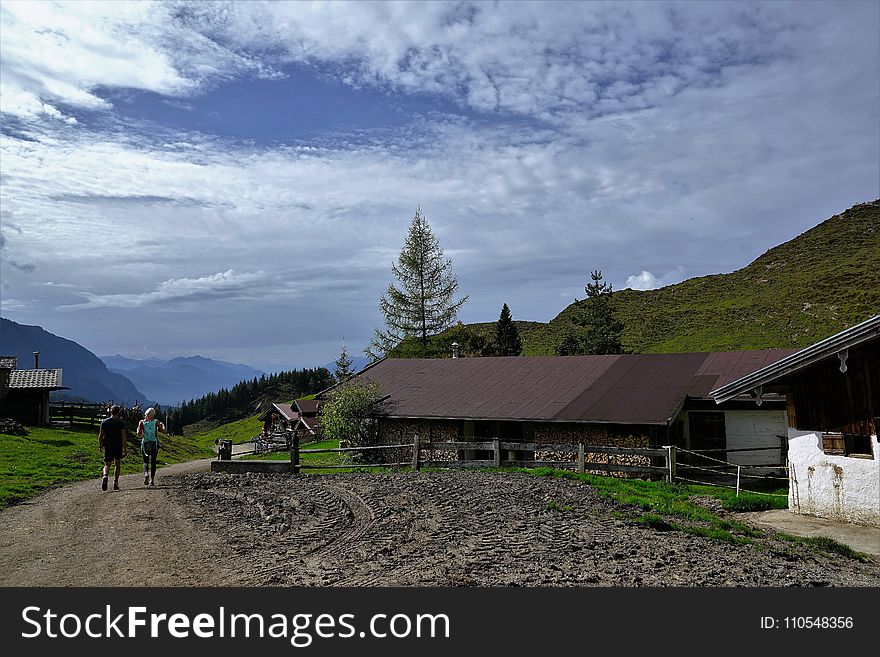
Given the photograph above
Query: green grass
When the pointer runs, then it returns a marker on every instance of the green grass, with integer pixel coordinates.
(49, 457)
(664, 506)
(553, 505)
(668, 507)
(239, 431)
(330, 458)
(826, 545)
(749, 503)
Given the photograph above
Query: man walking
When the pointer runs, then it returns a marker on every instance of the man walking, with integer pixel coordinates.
(112, 439)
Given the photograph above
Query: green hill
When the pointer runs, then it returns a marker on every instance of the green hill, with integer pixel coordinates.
(799, 292)
(49, 457)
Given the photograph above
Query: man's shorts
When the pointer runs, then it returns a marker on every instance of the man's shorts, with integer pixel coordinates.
(112, 452)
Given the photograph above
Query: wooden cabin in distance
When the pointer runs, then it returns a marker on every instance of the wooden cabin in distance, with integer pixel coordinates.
(300, 418)
(26, 398)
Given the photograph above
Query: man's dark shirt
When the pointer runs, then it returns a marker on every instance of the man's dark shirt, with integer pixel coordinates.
(112, 428)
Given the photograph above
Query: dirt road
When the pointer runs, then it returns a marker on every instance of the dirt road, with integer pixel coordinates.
(430, 529)
(79, 535)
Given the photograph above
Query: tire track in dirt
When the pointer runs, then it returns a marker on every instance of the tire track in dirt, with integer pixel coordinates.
(475, 528)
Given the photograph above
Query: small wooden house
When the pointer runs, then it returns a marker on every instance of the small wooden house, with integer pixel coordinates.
(832, 389)
(27, 391)
(309, 426)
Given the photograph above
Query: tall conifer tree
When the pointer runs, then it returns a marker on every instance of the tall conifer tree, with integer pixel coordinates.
(423, 303)
(597, 330)
(507, 341)
(343, 366)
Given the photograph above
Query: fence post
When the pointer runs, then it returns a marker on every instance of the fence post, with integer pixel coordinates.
(294, 454)
(415, 454)
(670, 463)
(737, 480)
(496, 445)
(581, 459)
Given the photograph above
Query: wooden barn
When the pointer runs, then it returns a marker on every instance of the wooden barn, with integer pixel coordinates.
(832, 389)
(627, 400)
(26, 397)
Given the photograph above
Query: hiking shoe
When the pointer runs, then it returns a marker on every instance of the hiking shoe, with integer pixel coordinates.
(152, 482)
(104, 483)
(115, 485)
(146, 480)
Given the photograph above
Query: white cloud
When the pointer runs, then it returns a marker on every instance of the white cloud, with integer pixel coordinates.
(644, 281)
(696, 133)
(539, 59)
(66, 52)
(647, 281)
(222, 285)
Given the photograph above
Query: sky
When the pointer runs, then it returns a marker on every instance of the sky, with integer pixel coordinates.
(235, 179)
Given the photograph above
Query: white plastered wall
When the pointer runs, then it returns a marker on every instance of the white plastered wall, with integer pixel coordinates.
(843, 488)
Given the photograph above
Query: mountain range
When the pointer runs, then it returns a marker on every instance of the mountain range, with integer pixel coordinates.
(84, 373)
(179, 379)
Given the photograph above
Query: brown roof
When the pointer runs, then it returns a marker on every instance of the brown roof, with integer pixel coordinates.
(311, 424)
(619, 389)
(307, 406)
(42, 378)
(286, 411)
(8, 362)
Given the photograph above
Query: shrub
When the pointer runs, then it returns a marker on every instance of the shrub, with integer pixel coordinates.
(349, 415)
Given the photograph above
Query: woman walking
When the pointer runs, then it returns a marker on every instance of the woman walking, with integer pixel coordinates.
(148, 431)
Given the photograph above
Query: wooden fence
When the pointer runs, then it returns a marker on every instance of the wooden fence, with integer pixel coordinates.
(79, 412)
(578, 462)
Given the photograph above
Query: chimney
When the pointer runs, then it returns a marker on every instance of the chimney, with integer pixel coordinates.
(456, 351)
(36, 360)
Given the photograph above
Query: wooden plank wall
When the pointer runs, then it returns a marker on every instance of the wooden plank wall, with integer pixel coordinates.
(825, 398)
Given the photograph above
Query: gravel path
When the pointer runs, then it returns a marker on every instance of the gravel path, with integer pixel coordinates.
(79, 535)
(450, 529)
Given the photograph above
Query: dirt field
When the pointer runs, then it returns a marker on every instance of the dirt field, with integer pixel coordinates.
(474, 528)
(451, 528)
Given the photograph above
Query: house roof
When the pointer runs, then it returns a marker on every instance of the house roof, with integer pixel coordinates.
(30, 379)
(618, 389)
(822, 350)
(307, 406)
(8, 362)
(311, 424)
(285, 410)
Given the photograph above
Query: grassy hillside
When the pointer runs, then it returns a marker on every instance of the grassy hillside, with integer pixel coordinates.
(48, 457)
(239, 431)
(811, 287)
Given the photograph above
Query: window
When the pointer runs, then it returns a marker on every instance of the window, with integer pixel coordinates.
(832, 443)
(847, 444)
(857, 445)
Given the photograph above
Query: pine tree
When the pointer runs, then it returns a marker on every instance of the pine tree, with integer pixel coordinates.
(507, 341)
(571, 344)
(597, 330)
(423, 304)
(344, 369)
(603, 327)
